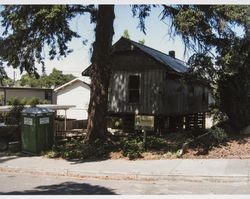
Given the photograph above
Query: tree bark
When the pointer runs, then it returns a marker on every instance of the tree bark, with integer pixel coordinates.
(100, 73)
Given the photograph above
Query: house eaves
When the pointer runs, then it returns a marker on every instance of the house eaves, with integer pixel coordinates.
(70, 83)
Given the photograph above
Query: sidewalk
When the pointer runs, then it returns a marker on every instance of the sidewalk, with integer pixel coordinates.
(228, 170)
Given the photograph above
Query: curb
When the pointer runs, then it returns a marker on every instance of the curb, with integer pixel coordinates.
(125, 176)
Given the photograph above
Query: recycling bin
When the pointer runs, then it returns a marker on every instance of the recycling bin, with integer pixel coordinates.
(37, 133)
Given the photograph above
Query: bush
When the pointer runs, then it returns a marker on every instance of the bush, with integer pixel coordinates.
(132, 147)
(14, 101)
(218, 134)
(212, 137)
(154, 142)
(81, 149)
(115, 123)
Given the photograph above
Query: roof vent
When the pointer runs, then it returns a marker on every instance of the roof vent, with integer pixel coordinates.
(171, 53)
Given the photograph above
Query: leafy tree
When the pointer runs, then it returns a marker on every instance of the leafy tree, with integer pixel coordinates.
(29, 80)
(126, 34)
(3, 76)
(29, 28)
(142, 41)
(234, 86)
(54, 79)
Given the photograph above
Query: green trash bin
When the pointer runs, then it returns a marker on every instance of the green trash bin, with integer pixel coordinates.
(37, 130)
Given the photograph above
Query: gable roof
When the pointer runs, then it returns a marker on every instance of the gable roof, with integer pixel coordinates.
(173, 63)
(70, 83)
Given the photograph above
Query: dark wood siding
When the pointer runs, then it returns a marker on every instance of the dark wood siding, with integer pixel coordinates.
(159, 94)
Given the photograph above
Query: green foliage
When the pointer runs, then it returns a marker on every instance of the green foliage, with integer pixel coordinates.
(54, 79)
(202, 66)
(14, 101)
(57, 78)
(51, 154)
(126, 34)
(3, 75)
(234, 85)
(29, 28)
(218, 135)
(29, 81)
(142, 41)
(155, 142)
(81, 149)
(14, 116)
(34, 101)
(212, 137)
(8, 82)
(132, 147)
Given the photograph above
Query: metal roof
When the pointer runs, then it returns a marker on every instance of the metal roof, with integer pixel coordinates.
(165, 59)
(175, 64)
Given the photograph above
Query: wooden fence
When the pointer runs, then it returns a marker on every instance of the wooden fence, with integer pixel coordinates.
(70, 124)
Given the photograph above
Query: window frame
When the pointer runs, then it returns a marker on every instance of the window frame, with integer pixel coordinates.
(139, 88)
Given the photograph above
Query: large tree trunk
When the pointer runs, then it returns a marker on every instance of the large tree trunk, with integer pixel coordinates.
(100, 73)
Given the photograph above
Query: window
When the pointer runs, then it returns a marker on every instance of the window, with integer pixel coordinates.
(48, 95)
(134, 89)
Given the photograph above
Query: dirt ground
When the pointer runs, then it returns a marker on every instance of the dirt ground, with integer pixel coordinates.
(236, 147)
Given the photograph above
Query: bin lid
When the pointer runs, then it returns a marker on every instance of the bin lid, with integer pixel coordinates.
(36, 110)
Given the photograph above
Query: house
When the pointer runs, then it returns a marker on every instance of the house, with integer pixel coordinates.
(76, 92)
(145, 81)
(6, 93)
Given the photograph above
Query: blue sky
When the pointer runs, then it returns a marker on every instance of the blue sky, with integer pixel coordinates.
(156, 37)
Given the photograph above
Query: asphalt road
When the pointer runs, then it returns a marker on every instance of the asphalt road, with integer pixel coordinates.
(22, 184)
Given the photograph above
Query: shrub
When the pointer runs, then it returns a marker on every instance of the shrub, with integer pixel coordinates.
(132, 147)
(14, 101)
(156, 142)
(14, 116)
(81, 149)
(218, 134)
(211, 138)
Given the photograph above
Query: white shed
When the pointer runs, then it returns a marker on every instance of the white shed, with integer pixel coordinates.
(76, 92)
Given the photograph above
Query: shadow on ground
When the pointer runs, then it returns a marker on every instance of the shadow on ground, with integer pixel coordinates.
(6, 156)
(66, 188)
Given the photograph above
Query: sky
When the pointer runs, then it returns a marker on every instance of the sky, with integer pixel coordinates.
(156, 37)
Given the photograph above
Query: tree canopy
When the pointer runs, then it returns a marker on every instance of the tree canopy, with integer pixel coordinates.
(54, 79)
(29, 28)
